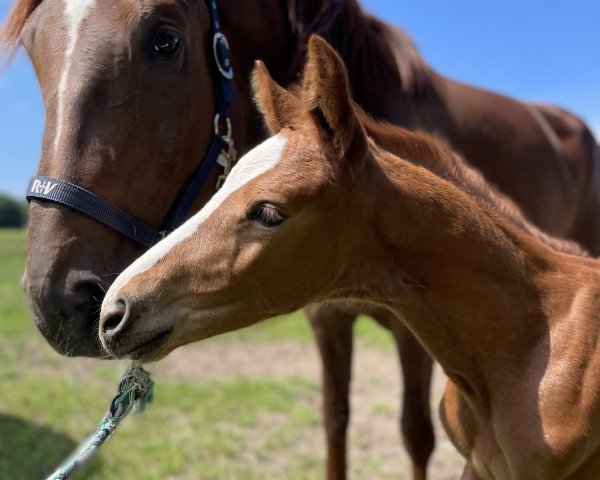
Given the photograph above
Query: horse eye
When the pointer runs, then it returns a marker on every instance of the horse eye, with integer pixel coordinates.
(166, 43)
(267, 215)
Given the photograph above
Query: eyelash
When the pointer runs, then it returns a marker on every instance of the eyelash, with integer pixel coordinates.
(267, 215)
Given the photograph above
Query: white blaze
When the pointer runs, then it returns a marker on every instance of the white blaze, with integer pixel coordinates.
(75, 12)
(256, 162)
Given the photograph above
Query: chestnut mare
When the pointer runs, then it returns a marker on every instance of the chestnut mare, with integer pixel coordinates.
(322, 211)
(129, 92)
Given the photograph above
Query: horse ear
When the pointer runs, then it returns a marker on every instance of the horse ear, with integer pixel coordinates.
(326, 95)
(279, 107)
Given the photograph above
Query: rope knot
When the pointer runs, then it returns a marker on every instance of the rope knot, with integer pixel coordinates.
(134, 393)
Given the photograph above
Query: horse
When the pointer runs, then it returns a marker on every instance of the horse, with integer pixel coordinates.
(131, 90)
(323, 211)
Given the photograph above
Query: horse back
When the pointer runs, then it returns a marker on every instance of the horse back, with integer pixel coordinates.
(582, 154)
(543, 157)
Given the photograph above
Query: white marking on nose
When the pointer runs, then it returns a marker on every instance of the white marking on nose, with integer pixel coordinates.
(75, 12)
(256, 162)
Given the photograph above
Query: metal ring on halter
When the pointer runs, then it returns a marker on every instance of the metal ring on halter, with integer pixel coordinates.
(218, 126)
(227, 70)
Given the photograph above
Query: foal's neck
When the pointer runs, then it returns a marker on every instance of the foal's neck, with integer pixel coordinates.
(477, 289)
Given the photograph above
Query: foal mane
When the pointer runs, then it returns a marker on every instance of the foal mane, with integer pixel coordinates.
(11, 31)
(431, 153)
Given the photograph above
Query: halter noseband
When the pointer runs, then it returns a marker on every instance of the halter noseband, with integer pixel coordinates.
(219, 151)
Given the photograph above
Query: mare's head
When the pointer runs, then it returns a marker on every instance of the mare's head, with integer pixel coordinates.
(281, 232)
(128, 94)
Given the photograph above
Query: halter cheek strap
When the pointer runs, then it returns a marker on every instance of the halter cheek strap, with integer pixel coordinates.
(219, 151)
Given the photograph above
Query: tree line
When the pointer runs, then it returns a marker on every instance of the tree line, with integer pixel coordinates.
(13, 213)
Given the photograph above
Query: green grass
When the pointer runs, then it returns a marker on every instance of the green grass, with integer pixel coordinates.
(232, 428)
(297, 328)
(13, 307)
(193, 427)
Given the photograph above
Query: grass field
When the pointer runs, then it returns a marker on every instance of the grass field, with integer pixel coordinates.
(242, 406)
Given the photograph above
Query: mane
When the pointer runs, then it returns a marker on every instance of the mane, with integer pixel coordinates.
(428, 152)
(11, 31)
(377, 50)
(379, 54)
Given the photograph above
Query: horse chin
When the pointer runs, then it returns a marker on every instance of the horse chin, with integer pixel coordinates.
(143, 347)
(69, 339)
(152, 355)
(70, 329)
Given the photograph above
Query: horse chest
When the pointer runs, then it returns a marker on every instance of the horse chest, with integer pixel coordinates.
(518, 443)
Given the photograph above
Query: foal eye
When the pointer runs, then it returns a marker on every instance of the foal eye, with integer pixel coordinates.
(166, 43)
(267, 215)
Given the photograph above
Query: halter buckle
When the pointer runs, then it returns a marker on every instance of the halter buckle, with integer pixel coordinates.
(226, 159)
(223, 61)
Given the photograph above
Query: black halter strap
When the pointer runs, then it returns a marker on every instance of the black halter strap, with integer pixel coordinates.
(66, 193)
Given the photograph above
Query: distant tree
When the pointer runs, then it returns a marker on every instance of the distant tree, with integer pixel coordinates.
(13, 213)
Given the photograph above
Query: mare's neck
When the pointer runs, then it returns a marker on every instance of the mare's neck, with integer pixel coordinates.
(381, 61)
(480, 293)
(384, 68)
(255, 30)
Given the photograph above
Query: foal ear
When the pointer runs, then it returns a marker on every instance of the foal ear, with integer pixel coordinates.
(326, 95)
(279, 107)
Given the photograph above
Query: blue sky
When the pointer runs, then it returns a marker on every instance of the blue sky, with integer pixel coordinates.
(546, 51)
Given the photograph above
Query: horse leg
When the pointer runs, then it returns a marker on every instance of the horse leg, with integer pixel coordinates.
(333, 331)
(415, 424)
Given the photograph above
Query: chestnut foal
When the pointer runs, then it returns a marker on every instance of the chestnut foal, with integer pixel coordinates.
(323, 211)
(104, 66)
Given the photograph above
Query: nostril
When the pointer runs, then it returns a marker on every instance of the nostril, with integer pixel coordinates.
(114, 317)
(87, 296)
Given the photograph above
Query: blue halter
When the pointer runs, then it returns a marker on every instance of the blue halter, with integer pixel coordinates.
(68, 194)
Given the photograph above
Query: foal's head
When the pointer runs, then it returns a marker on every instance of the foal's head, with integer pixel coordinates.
(128, 94)
(279, 234)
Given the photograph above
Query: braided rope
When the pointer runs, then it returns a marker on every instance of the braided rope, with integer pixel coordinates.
(134, 393)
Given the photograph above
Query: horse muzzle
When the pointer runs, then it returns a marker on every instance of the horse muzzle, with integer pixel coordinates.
(66, 312)
(124, 336)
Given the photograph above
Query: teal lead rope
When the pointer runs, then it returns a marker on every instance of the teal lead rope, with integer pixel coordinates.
(135, 392)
